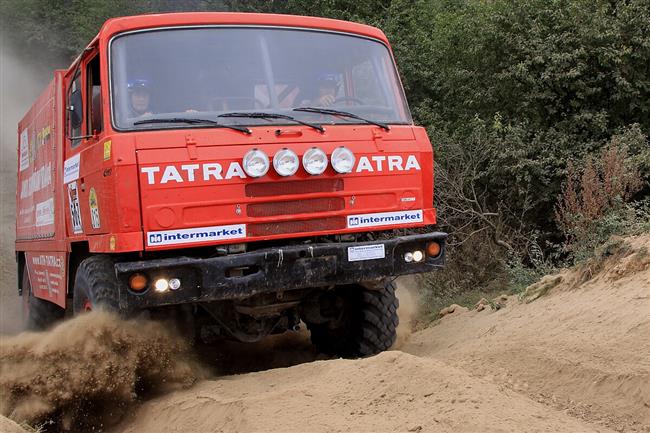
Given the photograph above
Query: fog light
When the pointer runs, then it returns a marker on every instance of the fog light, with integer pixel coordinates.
(138, 282)
(174, 284)
(408, 257)
(418, 256)
(161, 285)
(433, 249)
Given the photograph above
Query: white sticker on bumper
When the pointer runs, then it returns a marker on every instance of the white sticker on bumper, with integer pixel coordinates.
(199, 234)
(385, 218)
(366, 252)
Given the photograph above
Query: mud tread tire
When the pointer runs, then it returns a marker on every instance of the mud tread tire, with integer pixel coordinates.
(370, 329)
(96, 282)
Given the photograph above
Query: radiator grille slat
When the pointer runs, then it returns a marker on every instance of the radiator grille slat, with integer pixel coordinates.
(293, 187)
(312, 205)
(283, 227)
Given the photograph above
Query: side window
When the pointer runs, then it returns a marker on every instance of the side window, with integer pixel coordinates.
(75, 111)
(94, 98)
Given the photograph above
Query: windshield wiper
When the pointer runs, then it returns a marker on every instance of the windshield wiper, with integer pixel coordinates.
(342, 114)
(261, 115)
(193, 121)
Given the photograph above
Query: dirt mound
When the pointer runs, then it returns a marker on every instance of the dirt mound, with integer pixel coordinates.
(393, 391)
(87, 371)
(582, 346)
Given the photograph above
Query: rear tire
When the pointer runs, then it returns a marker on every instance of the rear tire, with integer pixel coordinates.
(368, 324)
(95, 285)
(38, 314)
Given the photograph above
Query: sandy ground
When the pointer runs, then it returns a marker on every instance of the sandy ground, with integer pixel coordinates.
(571, 355)
(576, 359)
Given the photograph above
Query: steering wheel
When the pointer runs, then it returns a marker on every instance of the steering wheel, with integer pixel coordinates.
(348, 99)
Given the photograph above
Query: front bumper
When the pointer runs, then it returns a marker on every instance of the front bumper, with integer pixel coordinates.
(273, 270)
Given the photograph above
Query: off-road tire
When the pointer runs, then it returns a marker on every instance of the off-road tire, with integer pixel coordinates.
(95, 285)
(368, 326)
(38, 314)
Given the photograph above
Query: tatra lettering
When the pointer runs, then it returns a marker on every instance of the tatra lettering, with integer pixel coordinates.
(190, 169)
(171, 173)
(212, 169)
(235, 170)
(412, 162)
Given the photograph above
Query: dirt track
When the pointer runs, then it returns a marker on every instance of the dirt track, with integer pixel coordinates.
(575, 360)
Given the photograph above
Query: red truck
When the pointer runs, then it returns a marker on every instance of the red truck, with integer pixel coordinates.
(238, 172)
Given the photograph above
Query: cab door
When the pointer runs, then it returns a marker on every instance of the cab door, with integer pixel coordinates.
(86, 188)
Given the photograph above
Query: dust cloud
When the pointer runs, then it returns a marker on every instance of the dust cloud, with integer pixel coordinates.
(408, 308)
(20, 84)
(86, 373)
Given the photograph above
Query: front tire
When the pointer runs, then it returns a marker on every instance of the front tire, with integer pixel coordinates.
(368, 323)
(95, 285)
(38, 314)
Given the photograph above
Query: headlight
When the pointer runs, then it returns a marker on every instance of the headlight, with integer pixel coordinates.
(314, 161)
(256, 163)
(343, 160)
(286, 162)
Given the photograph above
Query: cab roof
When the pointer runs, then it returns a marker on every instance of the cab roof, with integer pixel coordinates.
(138, 22)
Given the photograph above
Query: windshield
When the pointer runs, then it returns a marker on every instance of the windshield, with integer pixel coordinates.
(207, 72)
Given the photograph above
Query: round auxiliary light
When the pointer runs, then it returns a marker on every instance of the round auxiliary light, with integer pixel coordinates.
(433, 249)
(161, 285)
(256, 163)
(138, 282)
(286, 162)
(418, 256)
(314, 161)
(174, 284)
(408, 257)
(343, 160)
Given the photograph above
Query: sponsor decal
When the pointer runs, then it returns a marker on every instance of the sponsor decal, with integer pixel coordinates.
(385, 218)
(214, 171)
(94, 209)
(75, 209)
(71, 169)
(366, 252)
(24, 150)
(45, 213)
(107, 150)
(46, 273)
(199, 234)
(38, 180)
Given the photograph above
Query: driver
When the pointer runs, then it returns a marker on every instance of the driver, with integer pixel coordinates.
(139, 97)
(327, 90)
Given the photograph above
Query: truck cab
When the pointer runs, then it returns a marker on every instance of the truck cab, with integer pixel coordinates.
(244, 172)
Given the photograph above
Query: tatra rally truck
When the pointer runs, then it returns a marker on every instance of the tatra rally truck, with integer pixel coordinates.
(238, 173)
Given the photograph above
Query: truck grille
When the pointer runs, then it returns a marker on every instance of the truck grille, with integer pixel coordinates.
(308, 186)
(311, 205)
(282, 227)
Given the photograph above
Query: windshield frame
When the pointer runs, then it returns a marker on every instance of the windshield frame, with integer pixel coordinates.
(114, 126)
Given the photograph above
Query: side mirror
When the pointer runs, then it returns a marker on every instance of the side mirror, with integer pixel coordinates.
(75, 110)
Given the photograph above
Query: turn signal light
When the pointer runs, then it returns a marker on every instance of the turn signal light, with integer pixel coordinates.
(138, 282)
(433, 249)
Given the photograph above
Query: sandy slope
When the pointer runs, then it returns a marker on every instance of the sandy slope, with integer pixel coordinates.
(585, 347)
(576, 359)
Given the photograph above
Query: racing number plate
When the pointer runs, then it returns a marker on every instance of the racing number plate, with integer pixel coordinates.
(366, 252)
